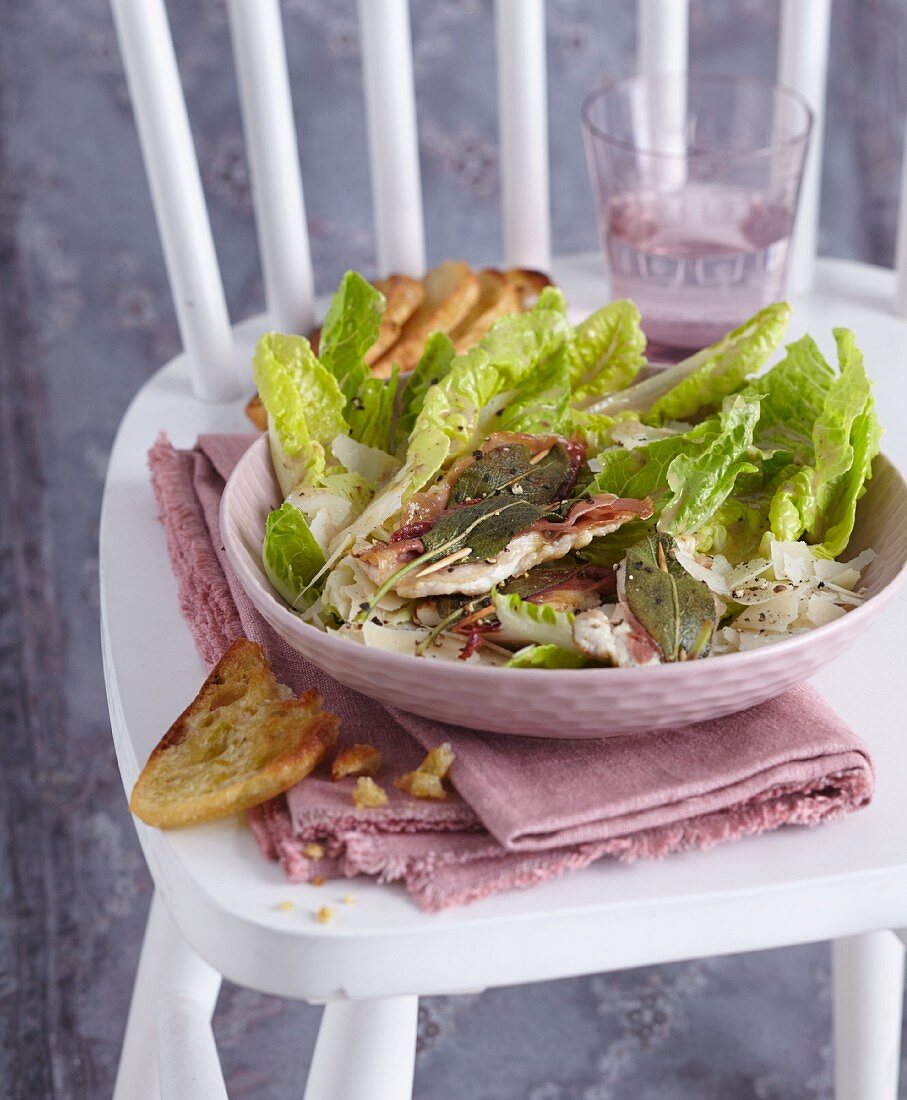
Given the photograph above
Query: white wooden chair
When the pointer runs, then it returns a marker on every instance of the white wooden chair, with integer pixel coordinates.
(215, 908)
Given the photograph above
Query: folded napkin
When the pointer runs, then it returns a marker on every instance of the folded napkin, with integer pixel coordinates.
(524, 809)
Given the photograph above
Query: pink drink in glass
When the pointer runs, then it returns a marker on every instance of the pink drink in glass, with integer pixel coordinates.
(698, 237)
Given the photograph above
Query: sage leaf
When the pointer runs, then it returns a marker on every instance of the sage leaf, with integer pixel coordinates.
(678, 611)
(510, 469)
(485, 527)
(492, 472)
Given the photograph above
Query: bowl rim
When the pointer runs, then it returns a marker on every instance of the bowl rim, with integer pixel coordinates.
(234, 550)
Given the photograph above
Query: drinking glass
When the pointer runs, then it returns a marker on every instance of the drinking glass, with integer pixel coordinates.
(695, 180)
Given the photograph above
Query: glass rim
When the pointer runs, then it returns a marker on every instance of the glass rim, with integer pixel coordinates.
(595, 131)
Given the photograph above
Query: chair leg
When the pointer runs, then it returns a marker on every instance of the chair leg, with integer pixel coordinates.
(365, 1048)
(169, 970)
(868, 991)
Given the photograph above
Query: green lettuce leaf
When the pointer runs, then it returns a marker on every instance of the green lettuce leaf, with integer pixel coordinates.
(424, 457)
(701, 482)
(703, 380)
(593, 428)
(547, 656)
(541, 401)
(304, 404)
(819, 500)
(437, 359)
(607, 352)
(551, 299)
(736, 528)
(465, 404)
(371, 412)
(793, 393)
(291, 556)
(643, 471)
(350, 328)
(524, 621)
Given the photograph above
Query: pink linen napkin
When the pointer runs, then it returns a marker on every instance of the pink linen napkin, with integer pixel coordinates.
(524, 810)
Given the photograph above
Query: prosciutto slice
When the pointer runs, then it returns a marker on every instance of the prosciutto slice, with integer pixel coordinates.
(597, 509)
(544, 541)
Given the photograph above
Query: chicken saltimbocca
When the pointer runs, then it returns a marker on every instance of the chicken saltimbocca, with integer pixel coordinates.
(548, 500)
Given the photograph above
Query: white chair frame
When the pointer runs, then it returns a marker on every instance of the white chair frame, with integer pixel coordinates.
(215, 907)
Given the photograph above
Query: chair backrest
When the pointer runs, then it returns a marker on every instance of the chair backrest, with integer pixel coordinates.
(270, 134)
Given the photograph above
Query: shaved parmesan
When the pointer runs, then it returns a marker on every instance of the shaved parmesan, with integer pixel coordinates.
(445, 647)
(695, 568)
(821, 609)
(775, 614)
(793, 560)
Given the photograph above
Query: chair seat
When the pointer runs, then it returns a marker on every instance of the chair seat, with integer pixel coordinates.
(792, 886)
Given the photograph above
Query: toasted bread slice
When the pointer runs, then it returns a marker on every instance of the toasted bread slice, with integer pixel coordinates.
(243, 740)
(451, 290)
(529, 284)
(404, 295)
(497, 298)
(257, 413)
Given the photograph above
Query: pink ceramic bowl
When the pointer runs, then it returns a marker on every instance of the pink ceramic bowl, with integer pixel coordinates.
(568, 702)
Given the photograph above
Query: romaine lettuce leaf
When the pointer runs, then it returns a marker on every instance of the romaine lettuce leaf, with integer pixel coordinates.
(594, 428)
(736, 528)
(547, 656)
(371, 412)
(291, 556)
(711, 482)
(793, 393)
(350, 328)
(643, 471)
(304, 405)
(540, 403)
(703, 380)
(640, 472)
(819, 500)
(436, 361)
(465, 404)
(372, 464)
(551, 298)
(607, 352)
(424, 457)
(524, 621)
(332, 503)
(701, 482)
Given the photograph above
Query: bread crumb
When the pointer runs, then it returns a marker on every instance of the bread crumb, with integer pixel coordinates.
(348, 899)
(368, 795)
(422, 785)
(284, 907)
(438, 761)
(318, 880)
(356, 760)
(325, 914)
(313, 851)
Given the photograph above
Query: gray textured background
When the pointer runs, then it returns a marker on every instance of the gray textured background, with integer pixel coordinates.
(86, 317)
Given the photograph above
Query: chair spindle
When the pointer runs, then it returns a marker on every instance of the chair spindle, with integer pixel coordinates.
(390, 103)
(176, 193)
(663, 37)
(802, 65)
(662, 48)
(259, 53)
(523, 124)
